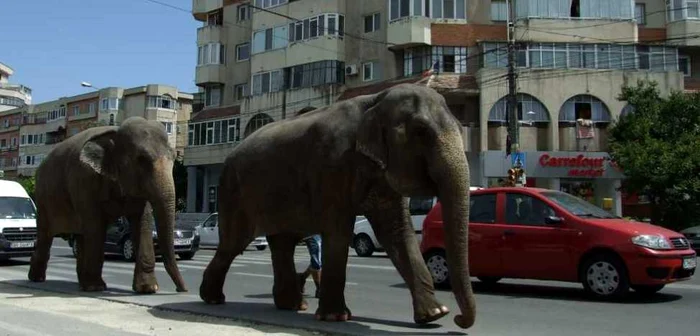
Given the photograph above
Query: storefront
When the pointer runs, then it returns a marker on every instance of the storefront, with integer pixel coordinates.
(589, 175)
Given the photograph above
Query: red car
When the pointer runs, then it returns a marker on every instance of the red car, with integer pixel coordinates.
(532, 233)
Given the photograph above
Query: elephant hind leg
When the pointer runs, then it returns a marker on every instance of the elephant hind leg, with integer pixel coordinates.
(235, 234)
(42, 250)
(286, 288)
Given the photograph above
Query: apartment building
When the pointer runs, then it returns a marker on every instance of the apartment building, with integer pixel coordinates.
(261, 63)
(12, 95)
(46, 124)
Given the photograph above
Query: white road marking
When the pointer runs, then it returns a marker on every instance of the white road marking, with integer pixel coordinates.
(270, 276)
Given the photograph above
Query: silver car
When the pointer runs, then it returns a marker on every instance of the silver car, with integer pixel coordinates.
(693, 235)
(209, 234)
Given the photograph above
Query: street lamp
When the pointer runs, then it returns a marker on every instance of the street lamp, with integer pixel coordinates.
(86, 84)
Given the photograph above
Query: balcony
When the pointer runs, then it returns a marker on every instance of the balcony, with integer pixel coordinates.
(683, 32)
(211, 33)
(210, 74)
(409, 32)
(200, 8)
(577, 30)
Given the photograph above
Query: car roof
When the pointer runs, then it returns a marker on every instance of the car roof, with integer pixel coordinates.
(498, 189)
(12, 189)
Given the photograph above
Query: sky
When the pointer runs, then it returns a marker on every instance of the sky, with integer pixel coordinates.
(54, 45)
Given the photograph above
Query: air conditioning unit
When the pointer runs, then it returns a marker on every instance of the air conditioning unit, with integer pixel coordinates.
(351, 70)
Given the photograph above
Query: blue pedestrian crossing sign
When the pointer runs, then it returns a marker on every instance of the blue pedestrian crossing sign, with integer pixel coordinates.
(517, 159)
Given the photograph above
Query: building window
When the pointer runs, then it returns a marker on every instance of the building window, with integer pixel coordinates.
(214, 132)
(168, 126)
(368, 71)
(265, 82)
(110, 104)
(682, 9)
(589, 9)
(240, 91)
(243, 12)
(526, 104)
(91, 107)
(212, 95)
(215, 18)
(640, 13)
(585, 56)
(269, 3)
(584, 107)
(76, 110)
(243, 52)
(211, 53)
(684, 65)
(325, 24)
(270, 39)
(372, 22)
(164, 102)
(315, 74)
(438, 58)
(259, 120)
(499, 10)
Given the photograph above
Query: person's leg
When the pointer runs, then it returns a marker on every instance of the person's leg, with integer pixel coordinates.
(315, 265)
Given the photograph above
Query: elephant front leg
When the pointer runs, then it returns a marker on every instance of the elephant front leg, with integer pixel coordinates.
(286, 288)
(334, 247)
(141, 224)
(92, 254)
(392, 225)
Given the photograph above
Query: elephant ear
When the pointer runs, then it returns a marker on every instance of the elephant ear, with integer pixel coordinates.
(97, 153)
(371, 140)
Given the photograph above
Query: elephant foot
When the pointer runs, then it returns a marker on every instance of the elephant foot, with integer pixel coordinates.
(431, 315)
(346, 315)
(145, 288)
(181, 289)
(289, 301)
(210, 296)
(36, 276)
(93, 288)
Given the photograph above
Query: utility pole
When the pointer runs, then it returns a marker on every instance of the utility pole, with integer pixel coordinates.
(512, 101)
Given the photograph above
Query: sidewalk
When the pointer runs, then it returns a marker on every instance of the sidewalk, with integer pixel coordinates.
(33, 312)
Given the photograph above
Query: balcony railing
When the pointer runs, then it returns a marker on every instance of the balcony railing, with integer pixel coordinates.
(16, 87)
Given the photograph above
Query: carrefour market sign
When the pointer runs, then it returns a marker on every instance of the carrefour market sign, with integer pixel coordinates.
(579, 166)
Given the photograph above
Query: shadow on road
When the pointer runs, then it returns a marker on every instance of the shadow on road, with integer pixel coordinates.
(12, 262)
(266, 313)
(71, 288)
(518, 291)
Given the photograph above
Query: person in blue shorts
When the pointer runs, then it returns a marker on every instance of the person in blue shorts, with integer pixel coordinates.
(313, 244)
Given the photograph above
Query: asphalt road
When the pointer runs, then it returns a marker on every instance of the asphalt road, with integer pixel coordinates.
(380, 302)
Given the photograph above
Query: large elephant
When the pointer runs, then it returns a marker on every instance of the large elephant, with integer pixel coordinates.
(315, 172)
(89, 180)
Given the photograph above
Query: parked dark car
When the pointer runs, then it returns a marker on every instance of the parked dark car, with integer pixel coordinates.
(119, 241)
(693, 235)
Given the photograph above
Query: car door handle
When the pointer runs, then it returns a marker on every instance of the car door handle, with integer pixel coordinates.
(509, 233)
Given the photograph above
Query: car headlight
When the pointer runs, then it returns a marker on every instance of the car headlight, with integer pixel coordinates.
(196, 233)
(652, 242)
(155, 233)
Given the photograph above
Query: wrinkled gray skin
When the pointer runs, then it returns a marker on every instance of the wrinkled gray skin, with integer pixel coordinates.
(89, 180)
(315, 172)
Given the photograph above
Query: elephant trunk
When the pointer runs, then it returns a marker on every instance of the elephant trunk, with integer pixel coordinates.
(451, 174)
(163, 203)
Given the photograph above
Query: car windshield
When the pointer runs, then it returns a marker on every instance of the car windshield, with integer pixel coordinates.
(16, 208)
(577, 206)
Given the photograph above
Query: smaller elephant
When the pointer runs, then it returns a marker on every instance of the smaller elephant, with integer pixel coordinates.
(92, 178)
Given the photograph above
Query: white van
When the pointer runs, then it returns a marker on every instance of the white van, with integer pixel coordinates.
(365, 242)
(17, 221)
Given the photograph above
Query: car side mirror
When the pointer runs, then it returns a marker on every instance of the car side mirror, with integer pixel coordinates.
(553, 220)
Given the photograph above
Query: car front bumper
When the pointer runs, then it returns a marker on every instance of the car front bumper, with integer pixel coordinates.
(191, 247)
(16, 248)
(650, 267)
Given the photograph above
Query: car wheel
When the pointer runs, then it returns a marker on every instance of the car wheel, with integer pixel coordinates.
(363, 245)
(605, 276)
(437, 265)
(647, 289)
(128, 250)
(186, 255)
(489, 280)
(261, 248)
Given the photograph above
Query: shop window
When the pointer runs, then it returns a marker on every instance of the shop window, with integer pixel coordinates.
(583, 111)
(526, 210)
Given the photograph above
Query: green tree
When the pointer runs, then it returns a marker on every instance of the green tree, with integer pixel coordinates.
(180, 177)
(28, 182)
(657, 146)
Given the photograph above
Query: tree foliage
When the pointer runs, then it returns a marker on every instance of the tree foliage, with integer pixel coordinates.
(28, 182)
(657, 146)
